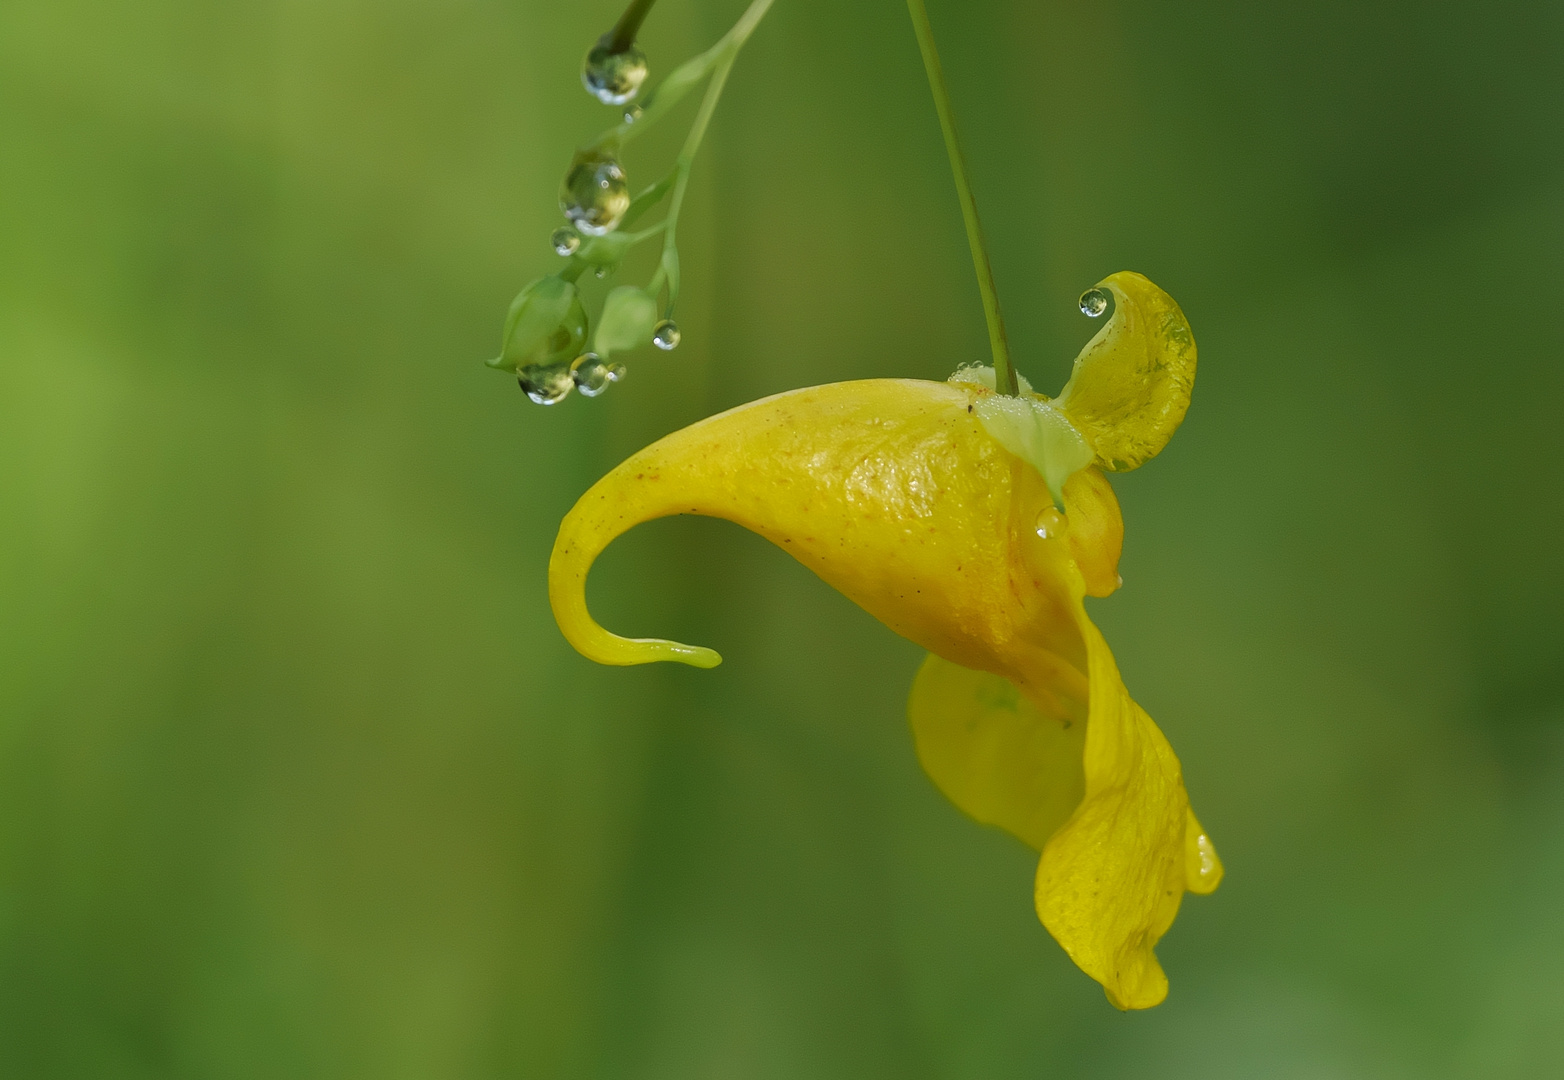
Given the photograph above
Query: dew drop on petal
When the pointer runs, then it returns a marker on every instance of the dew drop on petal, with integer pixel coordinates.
(666, 336)
(546, 384)
(565, 240)
(1051, 524)
(1210, 866)
(595, 194)
(1094, 302)
(613, 78)
(592, 376)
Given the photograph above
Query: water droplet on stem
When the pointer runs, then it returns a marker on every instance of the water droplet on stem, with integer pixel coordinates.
(632, 114)
(666, 335)
(595, 194)
(565, 240)
(613, 77)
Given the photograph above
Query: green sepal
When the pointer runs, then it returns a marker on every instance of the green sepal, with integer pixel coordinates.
(1038, 432)
(546, 324)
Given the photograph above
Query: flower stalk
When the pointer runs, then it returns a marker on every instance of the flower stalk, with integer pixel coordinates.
(622, 36)
(999, 344)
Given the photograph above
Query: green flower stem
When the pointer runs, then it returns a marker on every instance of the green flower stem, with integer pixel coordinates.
(1004, 372)
(579, 264)
(722, 57)
(622, 36)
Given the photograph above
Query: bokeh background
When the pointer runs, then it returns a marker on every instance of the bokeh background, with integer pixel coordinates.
(298, 779)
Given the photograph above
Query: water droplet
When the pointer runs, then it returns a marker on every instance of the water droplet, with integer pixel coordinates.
(546, 384)
(595, 194)
(1051, 524)
(1094, 302)
(565, 240)
(592, 376)
(665, 335)
(600, 272)
(613, 78)
(632, 114)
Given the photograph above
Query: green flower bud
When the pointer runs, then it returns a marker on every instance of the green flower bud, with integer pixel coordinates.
(546, 324)
(629, 315)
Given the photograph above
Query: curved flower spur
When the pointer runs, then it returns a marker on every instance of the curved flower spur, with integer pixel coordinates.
(974, 524)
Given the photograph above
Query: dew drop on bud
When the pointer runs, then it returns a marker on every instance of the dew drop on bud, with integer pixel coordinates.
(632, 114)
(595, 194)
(546, 384)
(1051, 524)
(613, 78)
(1094, 302)
(666, 336)
(565, 240)
(592, 376)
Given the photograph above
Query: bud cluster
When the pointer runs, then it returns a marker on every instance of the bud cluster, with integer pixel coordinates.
(549, 342)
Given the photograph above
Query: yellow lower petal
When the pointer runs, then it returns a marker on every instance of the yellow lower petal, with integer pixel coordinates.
(1075, 768)
(995, 753)
(1110, 881)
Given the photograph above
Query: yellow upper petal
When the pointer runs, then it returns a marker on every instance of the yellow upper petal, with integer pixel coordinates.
(1130, 386)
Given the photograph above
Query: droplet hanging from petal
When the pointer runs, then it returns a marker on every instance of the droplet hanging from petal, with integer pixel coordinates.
(1052, 524)
(1093, 303)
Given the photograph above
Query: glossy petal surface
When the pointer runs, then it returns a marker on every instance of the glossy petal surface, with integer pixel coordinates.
(889, 489)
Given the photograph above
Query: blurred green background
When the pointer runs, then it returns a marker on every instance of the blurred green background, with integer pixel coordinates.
(298, 779)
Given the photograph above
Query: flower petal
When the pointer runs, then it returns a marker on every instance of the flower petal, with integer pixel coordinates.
(994, 753)
(1110, 881)
(1109, 813)
(1130, 386)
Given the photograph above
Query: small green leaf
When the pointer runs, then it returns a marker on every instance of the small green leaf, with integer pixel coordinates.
(1038, 432)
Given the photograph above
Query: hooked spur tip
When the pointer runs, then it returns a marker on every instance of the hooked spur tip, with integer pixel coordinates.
(694, 655)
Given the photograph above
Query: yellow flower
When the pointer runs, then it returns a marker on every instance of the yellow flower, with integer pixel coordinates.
(937, 508)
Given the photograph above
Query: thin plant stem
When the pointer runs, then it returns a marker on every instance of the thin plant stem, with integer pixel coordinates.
(622, 36)
(1004, 371)
(723, 53)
